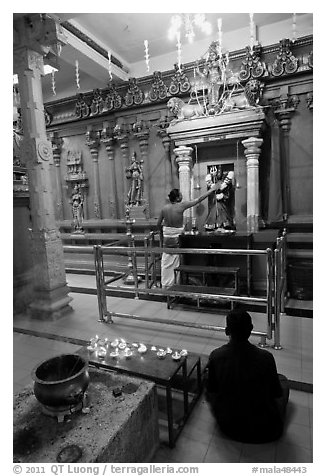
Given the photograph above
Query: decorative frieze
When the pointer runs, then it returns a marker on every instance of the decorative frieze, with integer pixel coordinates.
(158, 89)
(179, 82)
(82, 109)
(285, 61)
(113, 100)
(97, 105)
(134, 94)
(252, 66)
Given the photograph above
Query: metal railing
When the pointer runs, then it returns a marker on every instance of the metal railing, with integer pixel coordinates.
(102, 288)
(275, 282)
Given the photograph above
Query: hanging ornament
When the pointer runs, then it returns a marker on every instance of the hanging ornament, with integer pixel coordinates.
(219, 26)
(237, 184)
(77, 74)
(53, 82)
(146, 55)
(197, 185)
(179, 50)
(294, 27)
(110, 65)
(252, 31)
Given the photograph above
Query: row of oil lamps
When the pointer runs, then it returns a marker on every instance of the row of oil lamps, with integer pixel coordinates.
(120, 348)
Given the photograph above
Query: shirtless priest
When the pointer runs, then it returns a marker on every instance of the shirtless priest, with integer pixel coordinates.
(171, 219)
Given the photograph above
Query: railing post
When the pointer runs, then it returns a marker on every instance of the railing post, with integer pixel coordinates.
(277, 344)
(98, 283)
(134, 267)
(146, 262)
(102, 281)
(269, 287)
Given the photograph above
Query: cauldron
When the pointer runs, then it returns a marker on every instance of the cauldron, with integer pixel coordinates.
(61, 381)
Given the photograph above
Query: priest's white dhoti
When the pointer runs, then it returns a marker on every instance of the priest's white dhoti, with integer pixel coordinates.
(170, 261)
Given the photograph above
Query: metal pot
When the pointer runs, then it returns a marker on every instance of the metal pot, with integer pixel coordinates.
(61, 381)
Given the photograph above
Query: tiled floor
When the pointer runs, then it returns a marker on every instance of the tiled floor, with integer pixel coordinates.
(200, 440)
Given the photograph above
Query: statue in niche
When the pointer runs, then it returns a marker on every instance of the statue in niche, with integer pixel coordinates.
(135, 173)
(77, 205)
(220, 203)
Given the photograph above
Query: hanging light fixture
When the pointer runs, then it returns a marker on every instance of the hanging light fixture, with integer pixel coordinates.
(187, 22)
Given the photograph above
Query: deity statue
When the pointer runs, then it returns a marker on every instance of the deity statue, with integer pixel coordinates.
(220, 214)
(212, 74)
(77, 205)
(135, 173)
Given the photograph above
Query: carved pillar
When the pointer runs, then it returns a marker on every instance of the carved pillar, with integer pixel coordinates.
(141, 132)
(56, 150)
(166, 141)
(184, 161)
(284, 112)
(93, 142)
(121, 135)
(252, 153)
(33, 33)
(108, 140)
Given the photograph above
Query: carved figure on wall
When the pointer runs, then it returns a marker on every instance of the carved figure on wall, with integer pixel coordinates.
(220, 212)
(179, 81)
(184, 111)
(158, 89)
(77, 206)
(134, 94)
(135, 173)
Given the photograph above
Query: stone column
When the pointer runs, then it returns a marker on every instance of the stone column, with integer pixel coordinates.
(120, 134)
(108, 140)
(166, 141)
(184, 161)
(284, 112)
(143, 136)
(93, 142)
(33, 33)
(252, 153)
(56, 150)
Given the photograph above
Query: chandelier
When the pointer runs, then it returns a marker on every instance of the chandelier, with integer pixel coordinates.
(188, 22)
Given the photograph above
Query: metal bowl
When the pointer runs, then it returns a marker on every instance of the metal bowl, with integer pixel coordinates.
(61, 381)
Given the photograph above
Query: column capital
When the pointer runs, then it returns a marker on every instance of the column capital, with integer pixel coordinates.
(93, 141)
(252, 146)
(38, 32)
(183, 155)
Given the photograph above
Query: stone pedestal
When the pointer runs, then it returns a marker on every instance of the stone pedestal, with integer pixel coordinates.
(116, 430)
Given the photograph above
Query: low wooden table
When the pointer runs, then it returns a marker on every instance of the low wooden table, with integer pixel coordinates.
(165, 373)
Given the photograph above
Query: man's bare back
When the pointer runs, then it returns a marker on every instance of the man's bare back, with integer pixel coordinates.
(172, 214)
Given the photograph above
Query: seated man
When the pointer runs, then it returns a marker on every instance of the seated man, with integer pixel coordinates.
(247, 395)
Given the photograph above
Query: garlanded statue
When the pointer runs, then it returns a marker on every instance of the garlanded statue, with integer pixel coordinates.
(77, 205)
(220, 213)
(212, 74)
(135, 173)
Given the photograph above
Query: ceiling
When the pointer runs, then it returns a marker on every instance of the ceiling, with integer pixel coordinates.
(123, 34)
